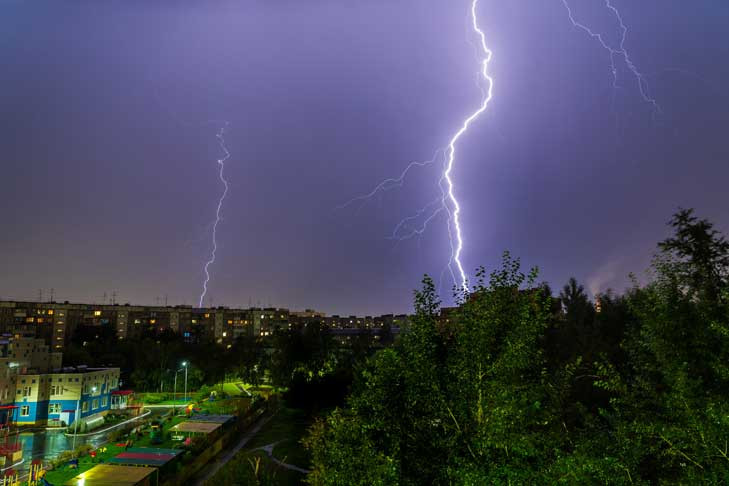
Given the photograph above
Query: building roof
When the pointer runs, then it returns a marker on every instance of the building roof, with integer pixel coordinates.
(145, 456)
(196, 427)
(122, 392)
(112, 475)
(213, 419)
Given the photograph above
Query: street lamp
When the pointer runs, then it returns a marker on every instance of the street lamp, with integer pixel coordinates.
(184, 365)
(174, 395)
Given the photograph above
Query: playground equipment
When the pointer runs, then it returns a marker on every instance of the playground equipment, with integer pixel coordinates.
(155, 433)
(10, 478)
(36, 473)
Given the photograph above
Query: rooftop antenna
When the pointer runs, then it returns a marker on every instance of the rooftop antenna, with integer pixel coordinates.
(52, 294)
(113, 298)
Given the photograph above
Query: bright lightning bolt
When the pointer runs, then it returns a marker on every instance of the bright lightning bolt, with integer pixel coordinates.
(221, 166)
(447, 202)
(614, 52)
(458, 248)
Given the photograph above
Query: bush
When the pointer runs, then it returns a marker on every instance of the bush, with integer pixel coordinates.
(154, 398)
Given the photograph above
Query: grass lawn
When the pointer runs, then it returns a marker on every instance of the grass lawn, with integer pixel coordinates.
(245, 467)
(286, 428)
(225, 406)
(233, 390)
(64, 473)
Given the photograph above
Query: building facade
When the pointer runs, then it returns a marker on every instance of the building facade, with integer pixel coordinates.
(60, 398)
(55, 323)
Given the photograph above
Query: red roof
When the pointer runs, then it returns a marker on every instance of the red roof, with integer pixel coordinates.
(122, 392)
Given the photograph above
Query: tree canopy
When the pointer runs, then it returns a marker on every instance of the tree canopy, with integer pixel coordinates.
(520, 387)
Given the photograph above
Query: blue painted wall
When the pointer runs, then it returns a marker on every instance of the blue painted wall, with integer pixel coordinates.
(38, 411)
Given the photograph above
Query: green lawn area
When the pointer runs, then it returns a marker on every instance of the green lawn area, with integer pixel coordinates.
(253, 468)
(224, 406)
(64, 472)
(286, 428)
(233, 390)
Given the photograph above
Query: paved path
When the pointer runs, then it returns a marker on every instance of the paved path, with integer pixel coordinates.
(222, 460)
(268, 449)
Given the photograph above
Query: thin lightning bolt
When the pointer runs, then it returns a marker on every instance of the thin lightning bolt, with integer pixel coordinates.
(221, 164)
(620, 51)
(435, 207)
(391, 183)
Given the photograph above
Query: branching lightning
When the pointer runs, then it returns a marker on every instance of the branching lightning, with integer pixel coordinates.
(447, 203)
(617, 52)
(221, 166)
(391, 183)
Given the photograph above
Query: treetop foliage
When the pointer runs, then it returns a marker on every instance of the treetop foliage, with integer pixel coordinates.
(519, 387)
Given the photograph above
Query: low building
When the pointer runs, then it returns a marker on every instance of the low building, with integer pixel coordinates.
(60, 398)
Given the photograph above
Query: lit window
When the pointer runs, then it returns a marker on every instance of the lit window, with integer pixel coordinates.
(29, 319)
(207, 316)
(54, 408)
(50, 312)
(225, 334)
(97, 313)
(40, 320)
(153, 321)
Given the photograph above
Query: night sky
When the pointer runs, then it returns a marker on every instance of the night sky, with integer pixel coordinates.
(109, 113)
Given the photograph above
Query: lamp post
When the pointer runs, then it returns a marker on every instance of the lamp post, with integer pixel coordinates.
(174, 395)
(184, 365)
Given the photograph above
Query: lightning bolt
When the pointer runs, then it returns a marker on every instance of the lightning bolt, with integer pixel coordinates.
(457, 249)
(447, 202)
(617, 52)
(221, 166)
(391, 183)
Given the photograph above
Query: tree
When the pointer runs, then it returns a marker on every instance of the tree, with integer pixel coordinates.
(697, 256)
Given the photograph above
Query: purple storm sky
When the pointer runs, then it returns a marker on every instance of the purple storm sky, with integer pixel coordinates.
(109, 178)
